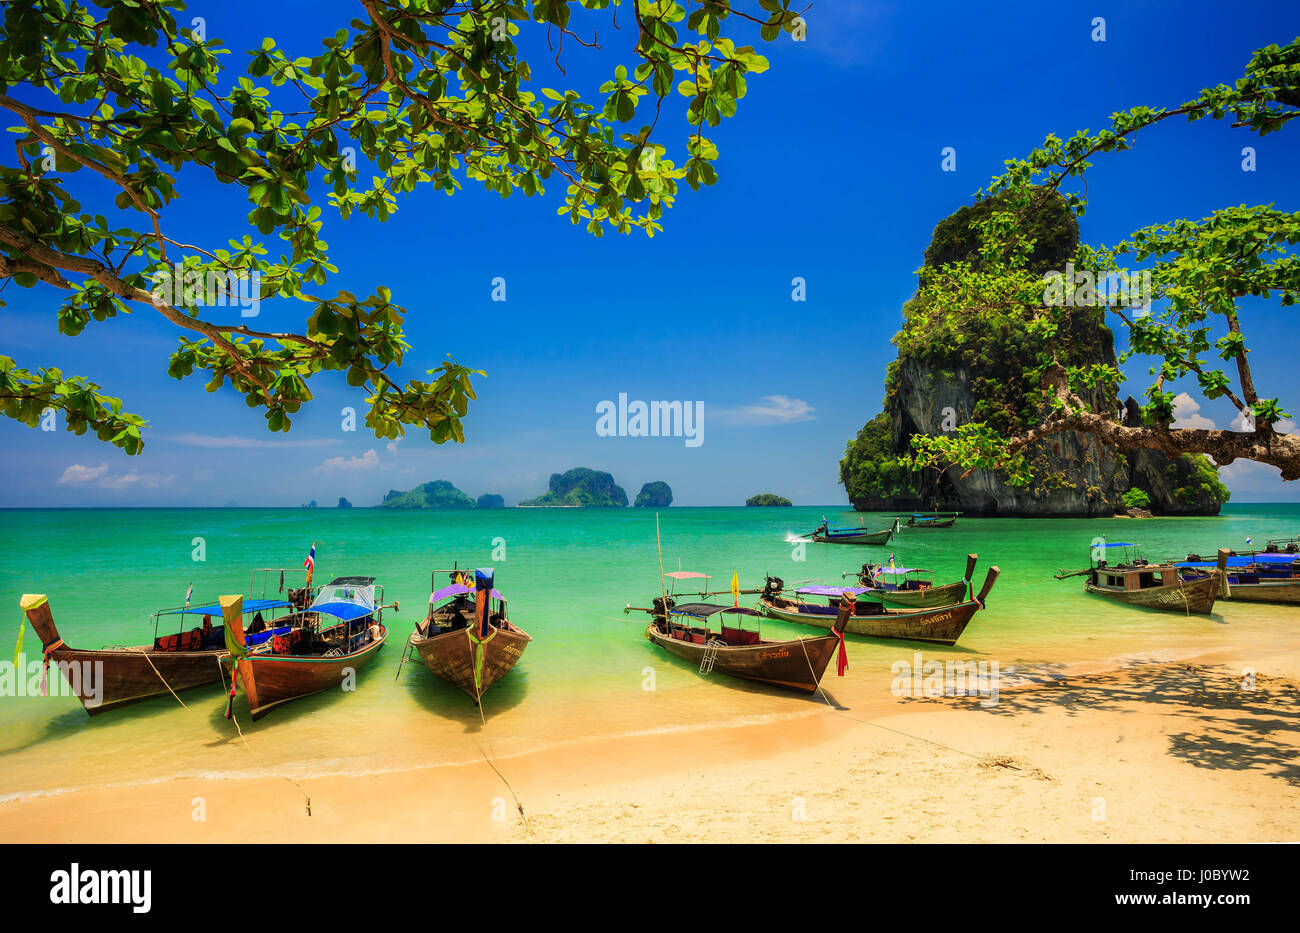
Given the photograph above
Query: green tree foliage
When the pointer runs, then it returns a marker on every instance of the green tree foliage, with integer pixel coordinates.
(1199, 269)
(870, 469)
(119, 103)
(1136, 498)
(768, 499)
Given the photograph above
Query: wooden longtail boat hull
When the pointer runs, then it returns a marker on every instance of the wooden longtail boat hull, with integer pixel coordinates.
(877, 538)
(1286, 592)
(930, 597)
(1190, 596)
(269, 680)
(942, 625)
(797, 664)
(109, 678)
(472, 666)
(123, 676)
(948, 523)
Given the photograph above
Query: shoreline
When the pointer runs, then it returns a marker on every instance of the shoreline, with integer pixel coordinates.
(1123, 741)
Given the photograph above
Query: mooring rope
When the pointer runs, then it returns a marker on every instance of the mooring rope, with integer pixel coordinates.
(244, 739)
(868, 722)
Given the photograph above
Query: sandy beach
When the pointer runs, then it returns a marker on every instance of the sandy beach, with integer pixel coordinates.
(1174, 752)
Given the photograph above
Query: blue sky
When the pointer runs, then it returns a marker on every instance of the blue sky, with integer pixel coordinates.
(829, 172)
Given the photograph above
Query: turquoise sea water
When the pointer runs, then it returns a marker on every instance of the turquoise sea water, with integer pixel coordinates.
(568, 574)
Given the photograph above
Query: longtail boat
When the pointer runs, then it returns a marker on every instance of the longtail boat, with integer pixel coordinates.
(1136, 581)
(1250, 579)
(825, 534)
(797, 664)
(340, 631)
(909, 586)
(117, 675)
(930, 520)
(941, 625)
(466, 639)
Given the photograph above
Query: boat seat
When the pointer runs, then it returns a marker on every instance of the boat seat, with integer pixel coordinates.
(182, 641)
(739, 636)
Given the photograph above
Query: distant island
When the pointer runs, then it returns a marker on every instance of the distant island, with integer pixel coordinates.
(768, 498)
(490, 500)
(656, 495)
(580, 488)
(438, 494)
(344, 503)
(310, 505)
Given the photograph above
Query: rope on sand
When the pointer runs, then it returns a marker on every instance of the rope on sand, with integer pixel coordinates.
(244, 739)
(868, 722)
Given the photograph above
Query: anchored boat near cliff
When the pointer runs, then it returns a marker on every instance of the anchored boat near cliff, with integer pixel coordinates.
(908, 586)
(824, 534)
(1272, 577)
(930, 520)
(118, 675)
(1138, 582)
(466, 639)
(340, 631)
(941, 625)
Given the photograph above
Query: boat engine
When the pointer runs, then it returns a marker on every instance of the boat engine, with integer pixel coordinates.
(662, 604)
(772, 587)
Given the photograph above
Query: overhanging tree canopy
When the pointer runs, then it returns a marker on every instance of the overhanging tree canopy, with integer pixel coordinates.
(1199, 271)
(122, 98)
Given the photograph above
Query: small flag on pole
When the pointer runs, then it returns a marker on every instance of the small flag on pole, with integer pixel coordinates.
(18, 648)
(310, 562)
(735, 588)
(189, 594)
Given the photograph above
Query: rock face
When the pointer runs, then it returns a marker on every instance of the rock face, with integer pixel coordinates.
(438, 494)
(344, 503)
(953, 371)
(580, 487)
(656, 495)
(767, 499)
(490, 500)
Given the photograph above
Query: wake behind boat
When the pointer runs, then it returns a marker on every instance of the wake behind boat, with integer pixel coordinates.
(824, 534)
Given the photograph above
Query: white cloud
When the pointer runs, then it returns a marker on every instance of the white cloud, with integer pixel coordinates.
(134, 479)
(78, 475)
(1185, 413)
(367, 461)
(233, 442)
(774, 409)
(1246, 423)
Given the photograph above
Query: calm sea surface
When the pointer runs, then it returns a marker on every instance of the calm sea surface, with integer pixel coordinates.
(568, 573)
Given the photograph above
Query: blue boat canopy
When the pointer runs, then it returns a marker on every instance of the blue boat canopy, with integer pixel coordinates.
(348, 612)
(250, 605)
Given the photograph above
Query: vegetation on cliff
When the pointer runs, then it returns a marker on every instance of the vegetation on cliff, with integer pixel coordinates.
(768, 499)
(438, 494)
(1187, 321)
(491, 500)
(581, 487)
(656, 495)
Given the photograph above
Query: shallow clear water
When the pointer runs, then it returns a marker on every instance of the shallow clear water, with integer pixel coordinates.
(568, 574)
